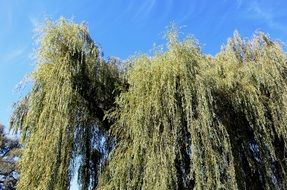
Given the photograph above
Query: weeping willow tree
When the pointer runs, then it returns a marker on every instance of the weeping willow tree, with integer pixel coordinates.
(248, 80)
(189, 121)
(167, 135)
(62, 119)
(176, 120)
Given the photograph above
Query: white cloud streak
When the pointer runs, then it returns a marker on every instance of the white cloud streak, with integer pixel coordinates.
(267, 13)
(145, 9)
(13, 55)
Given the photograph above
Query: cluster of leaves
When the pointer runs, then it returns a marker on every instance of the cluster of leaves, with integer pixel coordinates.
(62, 118)
(176, 120)
(249, 82)
(9, 153)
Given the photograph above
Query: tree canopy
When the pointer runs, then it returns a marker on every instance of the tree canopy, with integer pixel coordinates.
(61, 119)
(179, 119)
(9, 153)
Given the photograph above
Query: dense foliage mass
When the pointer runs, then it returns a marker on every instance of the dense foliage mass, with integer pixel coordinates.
(179, 119)
(9, 154)
(61, 119)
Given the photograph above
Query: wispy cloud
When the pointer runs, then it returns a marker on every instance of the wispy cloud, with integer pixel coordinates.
(145, 9)
(239, 3)
(267, 13)
(6, 17)
(14, 55)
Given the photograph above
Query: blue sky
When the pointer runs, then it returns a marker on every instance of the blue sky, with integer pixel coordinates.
(125, 27)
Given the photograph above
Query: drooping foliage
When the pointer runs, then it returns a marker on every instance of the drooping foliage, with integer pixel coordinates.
(249, 83)
(179, 119)
(167, 135)
(189, 121)
(62, 118)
